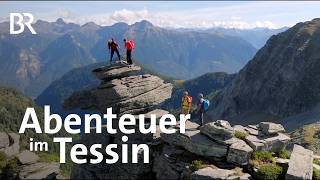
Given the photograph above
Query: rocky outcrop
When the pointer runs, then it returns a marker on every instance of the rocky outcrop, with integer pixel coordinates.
(281, 80)
(136, 94)
(300, 164)
(217, 145)
(128, 91)
(217, 139)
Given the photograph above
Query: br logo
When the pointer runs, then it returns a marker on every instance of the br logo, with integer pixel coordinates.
(21, 22)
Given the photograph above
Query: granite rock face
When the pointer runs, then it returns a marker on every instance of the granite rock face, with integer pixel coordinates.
(277, 80)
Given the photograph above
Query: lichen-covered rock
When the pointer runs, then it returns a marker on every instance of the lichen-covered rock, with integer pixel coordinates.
(300, 164)
(195, 142)
(270, 128)
(239, 153)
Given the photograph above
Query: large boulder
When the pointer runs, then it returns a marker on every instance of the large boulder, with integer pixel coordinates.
(300, 164)
(270, 128)
(4, 140)
(27, 157)
(219, 131)
(239, 153)
(195, 142)
(266, 143)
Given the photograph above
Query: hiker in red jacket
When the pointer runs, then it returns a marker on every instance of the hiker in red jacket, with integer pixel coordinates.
(129, 45)
(113, 47)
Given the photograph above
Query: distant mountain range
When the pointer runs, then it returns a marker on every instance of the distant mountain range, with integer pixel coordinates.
(281, 81)
(256, 36)
(31, 62)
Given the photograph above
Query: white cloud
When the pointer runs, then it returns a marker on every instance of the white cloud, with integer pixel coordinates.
(64, 13)
(130, 17)
(196, 18)
(176, 19)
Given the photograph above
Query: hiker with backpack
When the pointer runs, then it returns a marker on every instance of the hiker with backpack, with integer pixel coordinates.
(129, 45)
(186, 103)
(113, 47)
(202, 107)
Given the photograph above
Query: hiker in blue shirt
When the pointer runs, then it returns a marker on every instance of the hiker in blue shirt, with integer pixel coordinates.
(202, 106)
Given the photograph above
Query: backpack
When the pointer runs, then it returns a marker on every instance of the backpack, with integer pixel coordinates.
(206, 104)
(189, 99)
(131, 43)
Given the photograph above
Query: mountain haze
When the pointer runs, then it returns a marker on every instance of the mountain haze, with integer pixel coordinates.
(257, 37)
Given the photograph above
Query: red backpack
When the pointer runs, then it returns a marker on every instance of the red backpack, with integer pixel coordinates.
(131, 42)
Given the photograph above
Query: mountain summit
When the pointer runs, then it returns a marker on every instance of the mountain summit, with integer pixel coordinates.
(280, 81)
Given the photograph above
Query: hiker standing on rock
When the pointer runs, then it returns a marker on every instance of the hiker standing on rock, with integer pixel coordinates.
(186, 103)
(129, 45)
(113, 47)
(202, 106)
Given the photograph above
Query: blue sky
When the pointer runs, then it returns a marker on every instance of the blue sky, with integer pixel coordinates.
(238, 14)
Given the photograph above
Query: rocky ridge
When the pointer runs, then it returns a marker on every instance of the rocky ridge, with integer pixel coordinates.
(224, 153)
(279, 82)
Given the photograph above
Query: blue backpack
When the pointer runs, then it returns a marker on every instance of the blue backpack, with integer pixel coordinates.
(206, 104)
